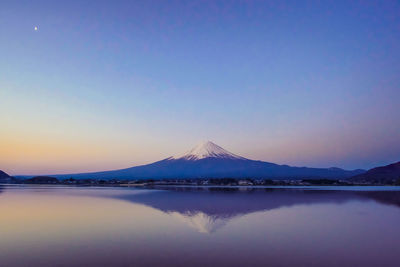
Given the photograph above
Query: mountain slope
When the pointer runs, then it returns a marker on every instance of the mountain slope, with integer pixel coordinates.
(380, 174)
(209, 160)
(3, 175)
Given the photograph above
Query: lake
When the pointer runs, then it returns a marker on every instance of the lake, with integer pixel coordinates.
(188, 226)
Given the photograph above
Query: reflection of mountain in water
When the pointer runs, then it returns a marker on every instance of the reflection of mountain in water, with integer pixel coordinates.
(201, 221)
(208, 209)
(390, 197)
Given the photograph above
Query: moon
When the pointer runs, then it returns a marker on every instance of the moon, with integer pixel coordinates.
(36, 28)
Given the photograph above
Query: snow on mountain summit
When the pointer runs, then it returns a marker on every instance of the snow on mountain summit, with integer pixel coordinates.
(207, 150)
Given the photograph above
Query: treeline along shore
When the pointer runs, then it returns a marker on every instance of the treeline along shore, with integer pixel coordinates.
(195, 182)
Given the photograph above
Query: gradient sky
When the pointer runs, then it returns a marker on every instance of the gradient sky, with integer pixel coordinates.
(111, 84)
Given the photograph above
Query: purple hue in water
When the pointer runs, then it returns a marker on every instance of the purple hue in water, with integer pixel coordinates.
(65, 226)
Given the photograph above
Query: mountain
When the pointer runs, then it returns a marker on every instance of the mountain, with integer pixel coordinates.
(208, 160)
(383, 174)
(3, 174)
(207, 150)
(4, 177)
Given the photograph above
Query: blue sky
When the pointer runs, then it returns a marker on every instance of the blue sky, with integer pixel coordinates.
(111, 84)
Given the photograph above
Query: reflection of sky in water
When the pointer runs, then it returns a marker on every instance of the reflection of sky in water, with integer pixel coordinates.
(125, 227)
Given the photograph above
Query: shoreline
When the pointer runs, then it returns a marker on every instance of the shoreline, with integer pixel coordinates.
(234, 187)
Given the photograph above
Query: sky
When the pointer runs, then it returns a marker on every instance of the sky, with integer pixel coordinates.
(104, 85)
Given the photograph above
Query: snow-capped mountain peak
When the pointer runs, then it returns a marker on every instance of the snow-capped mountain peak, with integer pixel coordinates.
(207, 150)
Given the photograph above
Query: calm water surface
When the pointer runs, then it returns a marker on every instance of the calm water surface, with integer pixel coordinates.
(77, 226)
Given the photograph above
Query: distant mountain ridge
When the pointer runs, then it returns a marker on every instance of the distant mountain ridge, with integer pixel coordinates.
(208, 160)
(384, 174)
